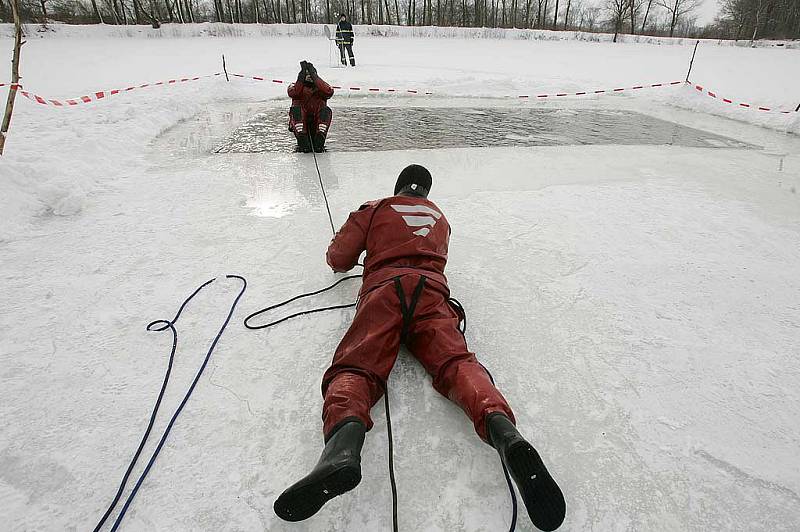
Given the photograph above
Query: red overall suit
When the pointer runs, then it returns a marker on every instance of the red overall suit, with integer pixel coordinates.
(406, 240)
(310, 111)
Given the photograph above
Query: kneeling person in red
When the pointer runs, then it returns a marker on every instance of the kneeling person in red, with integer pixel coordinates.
(404, 299)
(309, 116)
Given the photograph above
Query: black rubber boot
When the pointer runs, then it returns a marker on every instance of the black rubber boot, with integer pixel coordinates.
(338, 471)
(542, 496)
(319, 142)
(303, 144)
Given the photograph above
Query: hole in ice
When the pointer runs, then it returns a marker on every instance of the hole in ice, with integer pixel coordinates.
(407, 128)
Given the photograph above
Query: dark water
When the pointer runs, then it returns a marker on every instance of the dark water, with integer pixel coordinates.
(393, 128)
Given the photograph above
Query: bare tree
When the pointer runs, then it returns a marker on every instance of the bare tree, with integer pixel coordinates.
(617, 10)
(758, 11)
(677, 9)
(646, 13)
(634, 7)
(96, 11)
(555, 16)
(113, 7)
(12, 91)
(591, 16)
(751, 19)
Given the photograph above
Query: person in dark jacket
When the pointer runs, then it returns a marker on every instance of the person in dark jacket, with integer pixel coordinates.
(344, 39)
(309, 116)
(404, 299)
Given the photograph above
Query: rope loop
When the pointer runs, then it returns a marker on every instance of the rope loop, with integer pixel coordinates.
(152, 325)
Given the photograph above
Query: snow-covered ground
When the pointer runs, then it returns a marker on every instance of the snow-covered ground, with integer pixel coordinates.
(637, 304)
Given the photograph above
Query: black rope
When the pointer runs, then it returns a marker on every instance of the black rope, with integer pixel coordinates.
(319, 175)
(303, 313)
(513, 498)
(462, 327)
(162, 325)
(385, 391)
(392, 480)
(335, 307)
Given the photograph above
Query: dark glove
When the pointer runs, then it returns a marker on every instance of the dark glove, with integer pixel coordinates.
(301, 76)
(312, 71)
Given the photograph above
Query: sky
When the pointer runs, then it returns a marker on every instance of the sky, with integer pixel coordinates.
(707, 11)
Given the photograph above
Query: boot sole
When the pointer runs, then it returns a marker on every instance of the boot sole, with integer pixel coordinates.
(305, 499)
(540, 493)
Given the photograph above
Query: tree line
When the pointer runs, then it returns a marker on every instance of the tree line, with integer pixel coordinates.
(738, 19)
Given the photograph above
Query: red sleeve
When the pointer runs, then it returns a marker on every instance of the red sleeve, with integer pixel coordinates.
(351, 240)
(295, 90)
(324, 88)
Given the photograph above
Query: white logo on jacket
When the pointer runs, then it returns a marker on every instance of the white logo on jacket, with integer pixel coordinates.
(420, 216)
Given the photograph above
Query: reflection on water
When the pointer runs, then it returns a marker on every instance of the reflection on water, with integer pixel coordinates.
(272, 203)
(388, 128)
(281, 184)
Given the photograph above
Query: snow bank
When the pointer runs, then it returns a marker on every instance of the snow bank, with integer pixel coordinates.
(56, 159)
(210, 29)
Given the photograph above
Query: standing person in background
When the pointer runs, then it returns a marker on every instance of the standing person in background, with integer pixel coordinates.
(344, 38)
(309, 116)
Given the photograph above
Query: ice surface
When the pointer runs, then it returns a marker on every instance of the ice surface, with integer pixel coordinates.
(638, 305)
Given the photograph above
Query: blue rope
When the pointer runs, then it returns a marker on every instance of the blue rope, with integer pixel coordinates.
(162, 325)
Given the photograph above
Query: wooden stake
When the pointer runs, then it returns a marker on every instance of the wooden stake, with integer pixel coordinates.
(224, 68)
(692, 61)
(12, 91)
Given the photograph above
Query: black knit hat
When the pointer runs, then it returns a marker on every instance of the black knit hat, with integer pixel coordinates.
(414, 179)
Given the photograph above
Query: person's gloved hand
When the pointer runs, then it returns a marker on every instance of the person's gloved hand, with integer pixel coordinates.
(311, 69)
(301, 76)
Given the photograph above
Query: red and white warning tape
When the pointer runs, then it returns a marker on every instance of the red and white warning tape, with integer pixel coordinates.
(599, 91)
(713, 94)
(338, 87)
(99, 95)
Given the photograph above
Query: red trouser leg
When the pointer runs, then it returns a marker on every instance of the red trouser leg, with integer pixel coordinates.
(362, 363)
(365, 357)
(324, 120)
(297, 120)
(320, 122)
(441, 348)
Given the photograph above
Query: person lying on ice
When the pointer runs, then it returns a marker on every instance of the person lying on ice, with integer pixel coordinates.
(309, 116)
(404, 300)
